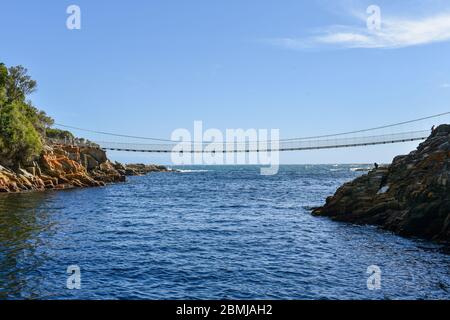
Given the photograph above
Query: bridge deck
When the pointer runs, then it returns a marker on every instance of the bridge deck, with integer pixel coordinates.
(268, 146)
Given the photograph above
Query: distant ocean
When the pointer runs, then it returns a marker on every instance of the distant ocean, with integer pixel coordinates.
(219, 232)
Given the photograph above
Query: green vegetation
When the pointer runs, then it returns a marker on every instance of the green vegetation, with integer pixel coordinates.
(59, 134)
(22, 126)
(19, 140)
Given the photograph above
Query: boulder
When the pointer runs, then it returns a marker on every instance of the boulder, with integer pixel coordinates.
(89, 162)
(98, 154)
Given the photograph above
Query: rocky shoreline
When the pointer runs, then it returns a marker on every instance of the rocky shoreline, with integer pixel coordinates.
(410, 197)
(64, 167)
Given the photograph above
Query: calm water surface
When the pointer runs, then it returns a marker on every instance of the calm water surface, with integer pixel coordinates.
(207, 233)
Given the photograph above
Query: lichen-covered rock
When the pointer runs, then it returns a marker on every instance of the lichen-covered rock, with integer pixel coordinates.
(410, 197)
(64, 166)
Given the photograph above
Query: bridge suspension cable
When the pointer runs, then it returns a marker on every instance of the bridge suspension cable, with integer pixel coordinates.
(281, 140)
(250, 147)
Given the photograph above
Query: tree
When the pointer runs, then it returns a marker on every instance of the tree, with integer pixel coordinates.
(3, 81)
(19, 84)
(38, 118)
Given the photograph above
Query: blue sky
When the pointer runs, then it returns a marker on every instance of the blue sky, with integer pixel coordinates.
(306, 67)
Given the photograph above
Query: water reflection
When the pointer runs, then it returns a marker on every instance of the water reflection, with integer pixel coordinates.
(23, 220)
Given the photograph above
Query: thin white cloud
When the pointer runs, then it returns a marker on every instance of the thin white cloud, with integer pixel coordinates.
(445, 85)
(394, 33)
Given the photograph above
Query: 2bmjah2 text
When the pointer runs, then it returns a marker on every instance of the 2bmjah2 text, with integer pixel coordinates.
(226, 309)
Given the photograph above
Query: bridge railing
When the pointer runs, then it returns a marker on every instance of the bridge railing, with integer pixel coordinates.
(261, 146)
(73, 142)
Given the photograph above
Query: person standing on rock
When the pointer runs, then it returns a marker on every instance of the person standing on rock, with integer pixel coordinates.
(375, 165)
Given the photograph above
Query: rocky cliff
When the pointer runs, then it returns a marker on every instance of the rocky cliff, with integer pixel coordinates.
(62, 167)
(410, 197)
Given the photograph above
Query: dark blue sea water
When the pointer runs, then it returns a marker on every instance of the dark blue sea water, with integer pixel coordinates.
(209, 233)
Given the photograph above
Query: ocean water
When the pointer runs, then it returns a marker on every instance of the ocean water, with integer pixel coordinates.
(208, 233)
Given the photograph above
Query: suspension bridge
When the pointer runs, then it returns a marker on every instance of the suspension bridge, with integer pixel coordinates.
(358, 138)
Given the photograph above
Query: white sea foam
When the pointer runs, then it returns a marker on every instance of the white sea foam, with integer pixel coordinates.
(360, 169)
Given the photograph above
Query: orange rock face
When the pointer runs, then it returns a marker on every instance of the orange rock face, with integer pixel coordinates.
(60, 167)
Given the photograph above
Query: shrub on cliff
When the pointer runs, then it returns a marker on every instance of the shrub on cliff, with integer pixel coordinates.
(19, 140)
(53, 133)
